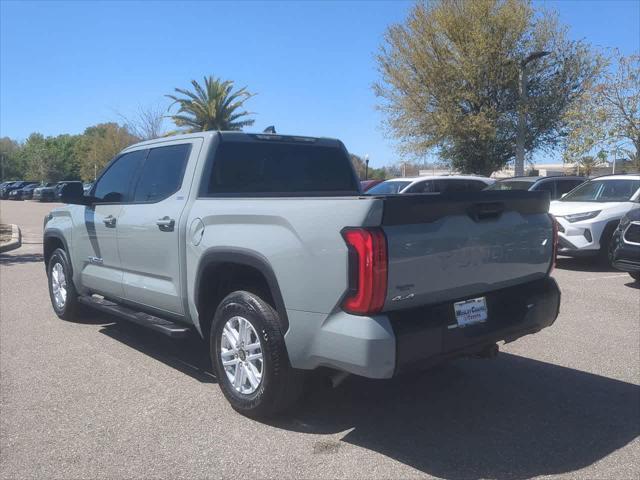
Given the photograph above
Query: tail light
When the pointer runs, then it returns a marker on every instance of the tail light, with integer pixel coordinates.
(367, 270)
(554, 251)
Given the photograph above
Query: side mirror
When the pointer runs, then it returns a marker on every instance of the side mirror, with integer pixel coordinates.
(73, 194)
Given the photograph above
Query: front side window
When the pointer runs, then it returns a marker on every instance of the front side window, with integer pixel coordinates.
(114, 185)
(387, 188)
(427, 186)
(547, 186)
(565, 186)
(612, 190)
(162, 173)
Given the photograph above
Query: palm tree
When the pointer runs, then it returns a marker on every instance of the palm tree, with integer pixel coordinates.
(213, 106)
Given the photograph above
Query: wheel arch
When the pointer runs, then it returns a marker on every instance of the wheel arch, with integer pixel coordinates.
(228, 267)
(53, 239)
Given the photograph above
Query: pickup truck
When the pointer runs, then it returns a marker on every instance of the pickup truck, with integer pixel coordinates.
(265, 246)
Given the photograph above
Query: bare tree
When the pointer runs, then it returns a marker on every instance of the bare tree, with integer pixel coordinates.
(146, 123)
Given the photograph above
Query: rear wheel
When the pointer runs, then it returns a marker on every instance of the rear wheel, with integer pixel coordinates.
(62, 292)
(249, 354)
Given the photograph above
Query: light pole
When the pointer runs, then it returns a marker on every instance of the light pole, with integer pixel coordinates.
(366, 167)
(519, 166)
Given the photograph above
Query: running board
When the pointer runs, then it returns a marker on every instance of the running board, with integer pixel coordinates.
(166, 327)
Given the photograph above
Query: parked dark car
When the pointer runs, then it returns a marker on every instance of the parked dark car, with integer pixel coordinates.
(625, 245)
(555, 185)
(6, 191)
(24, 193)
(60, 185)
(51, 192)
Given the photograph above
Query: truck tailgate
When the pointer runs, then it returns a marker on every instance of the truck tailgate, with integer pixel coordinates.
(450, 246)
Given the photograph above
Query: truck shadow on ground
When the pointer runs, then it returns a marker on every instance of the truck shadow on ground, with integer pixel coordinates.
(586, 264)
(508, 418)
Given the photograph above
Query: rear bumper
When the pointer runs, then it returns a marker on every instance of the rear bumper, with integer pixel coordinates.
(430, 335)
(627, 258)
(385, 345)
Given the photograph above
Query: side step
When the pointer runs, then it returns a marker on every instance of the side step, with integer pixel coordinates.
(166, 327)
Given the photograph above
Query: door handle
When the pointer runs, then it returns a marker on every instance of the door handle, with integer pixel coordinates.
(166, 224)
(109, 222)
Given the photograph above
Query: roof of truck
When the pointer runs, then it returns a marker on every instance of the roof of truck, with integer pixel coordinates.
(240, 137)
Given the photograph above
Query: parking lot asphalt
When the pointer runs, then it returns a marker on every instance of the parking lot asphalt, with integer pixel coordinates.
(106, 399)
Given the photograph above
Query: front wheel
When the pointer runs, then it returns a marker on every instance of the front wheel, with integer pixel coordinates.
(62, 292)
(635, 276)
(249, 355)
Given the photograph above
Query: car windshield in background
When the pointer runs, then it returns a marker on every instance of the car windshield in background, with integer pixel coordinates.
(387, 188)
(618, 190)
(511, 185)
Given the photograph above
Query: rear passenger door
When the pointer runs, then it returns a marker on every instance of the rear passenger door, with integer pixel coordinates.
(149, 228)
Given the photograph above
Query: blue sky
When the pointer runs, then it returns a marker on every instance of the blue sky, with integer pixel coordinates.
(68, 65)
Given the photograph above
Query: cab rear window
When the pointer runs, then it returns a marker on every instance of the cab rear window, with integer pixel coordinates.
(262, 168)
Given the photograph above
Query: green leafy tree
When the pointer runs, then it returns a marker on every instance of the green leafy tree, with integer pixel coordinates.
(98, 145)
(607, 115)
(11, 162)
(212, 106)
(50, 158)
(450, 80)
(619, 96)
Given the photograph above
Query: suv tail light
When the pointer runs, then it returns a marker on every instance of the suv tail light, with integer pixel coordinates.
(367, 270)
(554, 251)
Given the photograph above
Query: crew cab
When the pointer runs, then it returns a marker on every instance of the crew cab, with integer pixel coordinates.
(265, 246)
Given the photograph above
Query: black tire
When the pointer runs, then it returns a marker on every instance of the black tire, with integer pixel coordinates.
(280, 385)
(635, 276)
(72, 309)
(605, 255)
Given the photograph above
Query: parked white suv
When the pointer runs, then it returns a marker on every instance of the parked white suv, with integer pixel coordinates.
(589, 214)
(432, 184)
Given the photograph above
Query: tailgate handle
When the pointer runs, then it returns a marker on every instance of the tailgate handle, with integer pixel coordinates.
(486, 211)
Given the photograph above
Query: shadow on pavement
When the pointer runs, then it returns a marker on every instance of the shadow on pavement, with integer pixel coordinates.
(587, 264)
(189, 355)
(8, 259)
(510, 418)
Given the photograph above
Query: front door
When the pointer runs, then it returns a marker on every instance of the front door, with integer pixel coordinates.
(96, 236)
(149, 229)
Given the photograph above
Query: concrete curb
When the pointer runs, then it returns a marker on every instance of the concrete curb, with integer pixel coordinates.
(15, 242)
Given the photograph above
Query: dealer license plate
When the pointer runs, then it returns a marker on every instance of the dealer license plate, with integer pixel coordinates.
(470, 312)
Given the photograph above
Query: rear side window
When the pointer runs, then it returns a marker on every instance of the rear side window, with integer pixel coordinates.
(287, 168)
(162, 173)
(115, 184)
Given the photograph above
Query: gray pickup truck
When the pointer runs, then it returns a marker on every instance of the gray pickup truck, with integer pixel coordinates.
(264, 245)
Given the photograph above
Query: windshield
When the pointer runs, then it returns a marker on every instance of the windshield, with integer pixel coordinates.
(511, 185)
(618, 190)
(387, 188)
